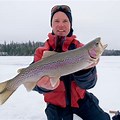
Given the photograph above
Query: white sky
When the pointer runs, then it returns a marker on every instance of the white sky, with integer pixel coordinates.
(24, 20)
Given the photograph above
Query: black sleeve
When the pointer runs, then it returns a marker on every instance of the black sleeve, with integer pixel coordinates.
(86, 79)
(41, 90)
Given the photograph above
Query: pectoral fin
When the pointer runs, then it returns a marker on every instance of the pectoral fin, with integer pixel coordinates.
(54, 81)
(48, 82)
(29, 86)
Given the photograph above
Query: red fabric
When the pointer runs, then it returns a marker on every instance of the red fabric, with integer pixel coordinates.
(58, 95)
(76, 94)
(39, 53)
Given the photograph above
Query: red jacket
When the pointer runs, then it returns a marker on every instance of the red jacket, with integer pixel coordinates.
(58, 96)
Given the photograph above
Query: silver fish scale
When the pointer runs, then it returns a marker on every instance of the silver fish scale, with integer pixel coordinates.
(73, 60)
(34, 74)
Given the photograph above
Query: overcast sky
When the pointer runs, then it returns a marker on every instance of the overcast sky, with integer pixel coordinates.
(24, 20)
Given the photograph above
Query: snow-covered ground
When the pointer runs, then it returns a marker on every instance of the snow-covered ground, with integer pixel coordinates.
(23, 105)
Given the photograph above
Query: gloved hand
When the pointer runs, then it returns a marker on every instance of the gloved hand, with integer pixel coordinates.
(44, 82)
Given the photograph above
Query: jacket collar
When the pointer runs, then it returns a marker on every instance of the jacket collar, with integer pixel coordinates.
(66, 42)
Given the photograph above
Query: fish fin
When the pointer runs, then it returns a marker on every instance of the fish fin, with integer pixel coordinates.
(48, 53)
(20, 70)
(49, 81)
(54, 81)
(4, 92)
(30, 85)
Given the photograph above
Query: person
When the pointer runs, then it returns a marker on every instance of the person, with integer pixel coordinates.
(69, 96)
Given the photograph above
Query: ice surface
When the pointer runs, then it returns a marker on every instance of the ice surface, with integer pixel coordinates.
(23, 105)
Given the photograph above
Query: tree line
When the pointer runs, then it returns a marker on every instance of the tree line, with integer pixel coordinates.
(19, 49)
(28, 49)
(111, 53)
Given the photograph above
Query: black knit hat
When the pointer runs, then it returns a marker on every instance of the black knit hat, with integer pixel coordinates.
(68, 14)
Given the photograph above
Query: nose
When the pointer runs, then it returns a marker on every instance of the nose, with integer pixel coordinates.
(61, 27)
(61, 24)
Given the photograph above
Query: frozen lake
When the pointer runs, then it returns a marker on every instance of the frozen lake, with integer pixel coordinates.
(30, 106)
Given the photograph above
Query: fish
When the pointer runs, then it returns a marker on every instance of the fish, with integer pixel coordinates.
(54, 65)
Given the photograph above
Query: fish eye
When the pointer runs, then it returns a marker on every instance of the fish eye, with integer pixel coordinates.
(97, 43)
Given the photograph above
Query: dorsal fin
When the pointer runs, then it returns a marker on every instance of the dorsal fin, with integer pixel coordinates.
(48, 53)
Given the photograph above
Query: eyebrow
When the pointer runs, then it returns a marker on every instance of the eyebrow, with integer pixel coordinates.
(62, 19)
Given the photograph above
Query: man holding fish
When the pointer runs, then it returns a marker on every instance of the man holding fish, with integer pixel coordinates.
(63, 70)
(67, 94)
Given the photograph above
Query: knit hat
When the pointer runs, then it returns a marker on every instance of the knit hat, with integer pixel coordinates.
(65, 9)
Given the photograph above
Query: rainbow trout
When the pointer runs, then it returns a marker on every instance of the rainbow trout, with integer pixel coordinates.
(53, 65)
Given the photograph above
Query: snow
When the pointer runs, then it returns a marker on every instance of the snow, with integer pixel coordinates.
(23, 105)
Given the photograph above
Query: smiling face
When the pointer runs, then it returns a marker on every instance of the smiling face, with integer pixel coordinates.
(60, 24)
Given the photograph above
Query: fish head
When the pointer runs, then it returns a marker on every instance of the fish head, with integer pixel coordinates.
(96, 48)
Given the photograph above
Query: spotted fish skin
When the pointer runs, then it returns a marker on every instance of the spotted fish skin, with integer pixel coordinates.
(53, 65)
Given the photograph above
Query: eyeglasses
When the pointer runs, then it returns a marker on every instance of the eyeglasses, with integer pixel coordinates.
(59, 7)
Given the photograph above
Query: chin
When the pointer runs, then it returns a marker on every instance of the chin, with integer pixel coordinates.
(62, 34)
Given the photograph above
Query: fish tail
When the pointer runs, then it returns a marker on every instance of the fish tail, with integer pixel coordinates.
(4, 92)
